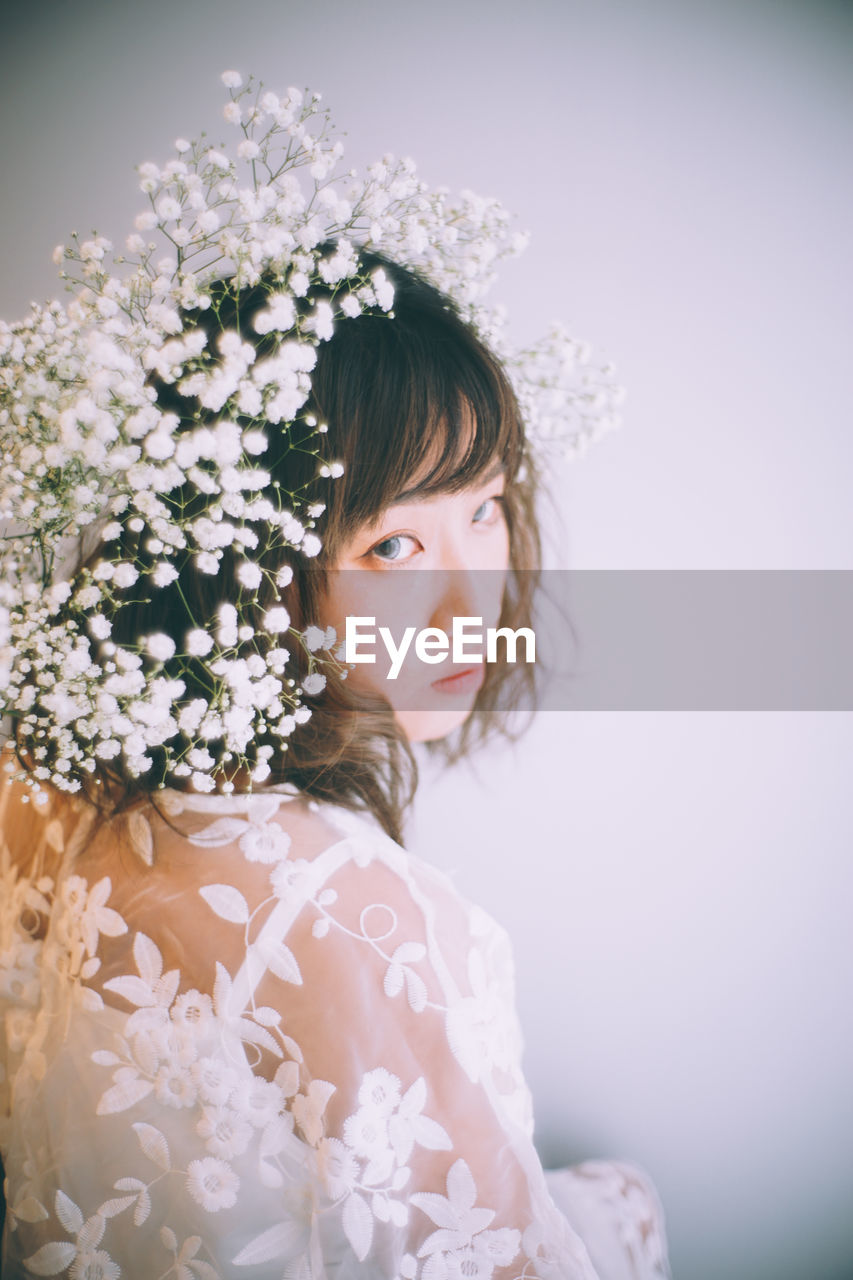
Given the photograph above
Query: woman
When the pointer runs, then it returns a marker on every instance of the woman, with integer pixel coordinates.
(247, 1034)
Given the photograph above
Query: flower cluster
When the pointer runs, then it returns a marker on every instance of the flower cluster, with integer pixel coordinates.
(92, 450)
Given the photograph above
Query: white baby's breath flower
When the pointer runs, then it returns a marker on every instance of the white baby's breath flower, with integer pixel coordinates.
(168, 208)
(87, 597)
(314, 638)
(276, 620)
(321, 321)
(190, 716)
(204, 783)
(198, 643)
(163, 573)
(58, 594)
(159, 445)
(208, 221)
(254, 442)
(124, 575)
(84, 376)
(207, 562)
(279, 313)
(160, 646)
(383, 289)
(249, 575)
(226, 632)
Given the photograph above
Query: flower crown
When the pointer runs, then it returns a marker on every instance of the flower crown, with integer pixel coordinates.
(88, 448)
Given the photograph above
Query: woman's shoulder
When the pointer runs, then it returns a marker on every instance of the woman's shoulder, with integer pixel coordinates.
(172, 842)
(181, 869)
(39, 825)
(266, 826)
(282, 858)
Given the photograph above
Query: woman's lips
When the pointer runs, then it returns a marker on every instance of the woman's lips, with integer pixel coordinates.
(467, 680)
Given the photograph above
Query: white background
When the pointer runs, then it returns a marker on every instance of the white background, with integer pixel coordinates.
(678, 886)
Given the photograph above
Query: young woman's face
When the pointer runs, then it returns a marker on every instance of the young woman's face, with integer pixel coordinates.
(421, 563)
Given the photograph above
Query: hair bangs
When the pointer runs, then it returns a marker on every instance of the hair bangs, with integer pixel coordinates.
(462, 420)
(416, 406)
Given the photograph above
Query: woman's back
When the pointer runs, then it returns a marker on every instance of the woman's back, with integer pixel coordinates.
(283, 1048)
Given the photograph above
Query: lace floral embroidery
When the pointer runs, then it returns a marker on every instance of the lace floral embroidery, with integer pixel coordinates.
(216, 1146)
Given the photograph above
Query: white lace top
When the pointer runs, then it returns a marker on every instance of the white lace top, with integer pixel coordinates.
(253, 1037)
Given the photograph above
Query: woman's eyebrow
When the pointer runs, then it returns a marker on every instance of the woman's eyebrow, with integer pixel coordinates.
(416, 492)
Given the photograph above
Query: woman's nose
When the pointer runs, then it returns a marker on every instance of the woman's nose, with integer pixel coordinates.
(455, 595)
(469, 579)
(466, 593)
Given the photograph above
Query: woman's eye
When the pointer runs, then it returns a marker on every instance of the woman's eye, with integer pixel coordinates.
(393, 550)
(487, 512)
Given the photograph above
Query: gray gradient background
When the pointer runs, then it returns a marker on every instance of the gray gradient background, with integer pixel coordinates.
(678, 886)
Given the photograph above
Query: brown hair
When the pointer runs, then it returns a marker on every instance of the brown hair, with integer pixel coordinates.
(399, 393)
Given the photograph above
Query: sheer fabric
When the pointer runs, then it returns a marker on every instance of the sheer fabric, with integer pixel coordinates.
(253, 1037)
